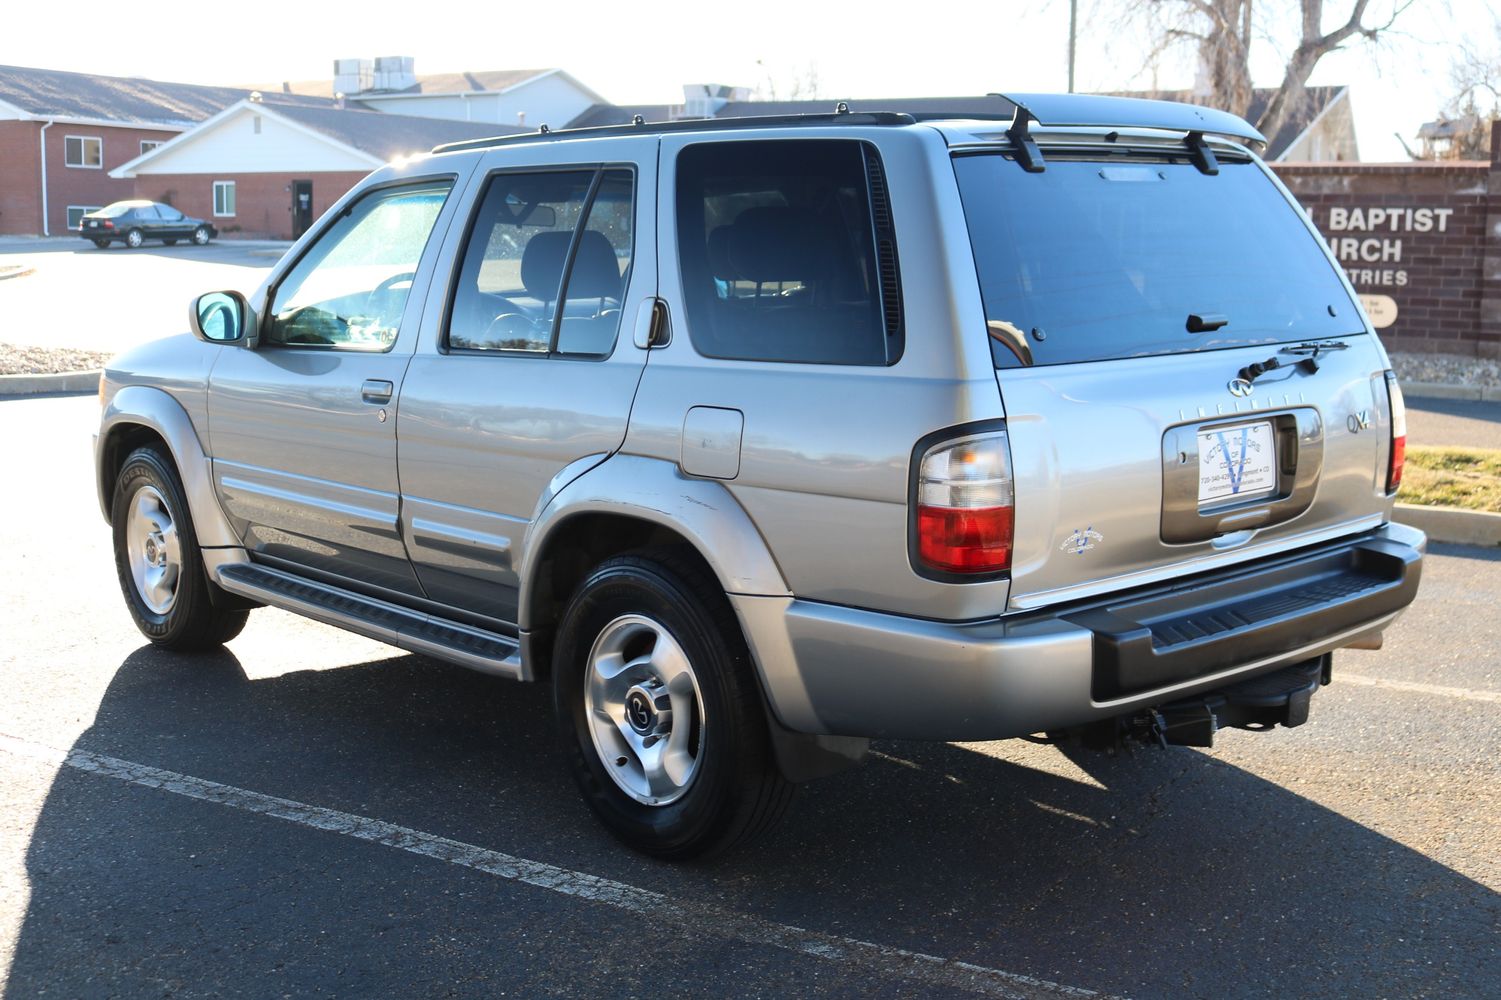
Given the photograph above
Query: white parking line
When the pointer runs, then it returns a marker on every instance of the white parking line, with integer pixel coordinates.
(1468, 694)
(662, 910)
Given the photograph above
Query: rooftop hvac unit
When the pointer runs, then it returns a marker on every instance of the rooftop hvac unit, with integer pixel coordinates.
(395, 73)
(352, 76)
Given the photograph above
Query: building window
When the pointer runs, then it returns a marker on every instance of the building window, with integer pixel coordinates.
(224, 198)
(83, 151)
(77, 212)
(147, 145)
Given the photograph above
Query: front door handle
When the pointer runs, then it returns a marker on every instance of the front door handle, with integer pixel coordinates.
(376, 391)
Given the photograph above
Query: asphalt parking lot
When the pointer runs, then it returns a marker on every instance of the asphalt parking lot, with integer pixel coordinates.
(309, 813)
(109, 300)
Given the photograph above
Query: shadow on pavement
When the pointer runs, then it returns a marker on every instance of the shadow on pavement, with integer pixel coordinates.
(1157, 874)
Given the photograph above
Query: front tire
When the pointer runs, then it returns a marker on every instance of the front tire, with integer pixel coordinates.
(134, 238)
(659, 710)
(158, 561)
(201, 235)
(101, 244)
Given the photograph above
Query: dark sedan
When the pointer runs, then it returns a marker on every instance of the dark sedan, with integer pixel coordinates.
(135, 222)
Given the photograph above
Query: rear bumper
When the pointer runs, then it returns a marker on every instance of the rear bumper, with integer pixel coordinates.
(849, 672)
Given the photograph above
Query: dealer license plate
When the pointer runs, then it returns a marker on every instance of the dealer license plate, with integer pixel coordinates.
(1237, 462)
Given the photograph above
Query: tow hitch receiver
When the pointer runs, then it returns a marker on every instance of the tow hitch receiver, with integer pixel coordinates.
(1258, 704)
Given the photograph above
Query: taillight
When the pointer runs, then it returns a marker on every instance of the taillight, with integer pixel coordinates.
(108, 224)
(1399, 434)
(965, 505)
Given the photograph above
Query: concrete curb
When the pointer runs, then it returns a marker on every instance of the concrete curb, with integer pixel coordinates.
(1451, 524)
(23, 272)
(33, 385)
(1443, 390)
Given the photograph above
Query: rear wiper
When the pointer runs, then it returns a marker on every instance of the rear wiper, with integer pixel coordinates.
(1310, 364)
(1205, 322)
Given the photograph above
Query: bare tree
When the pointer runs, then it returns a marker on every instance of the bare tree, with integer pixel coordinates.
(1463, 128)
(796, 84)
(1222, 33)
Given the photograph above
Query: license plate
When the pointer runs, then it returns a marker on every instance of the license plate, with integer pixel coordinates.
(1237, 462)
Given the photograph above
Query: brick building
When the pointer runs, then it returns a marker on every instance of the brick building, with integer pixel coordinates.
(61, 135)
(1421, 243)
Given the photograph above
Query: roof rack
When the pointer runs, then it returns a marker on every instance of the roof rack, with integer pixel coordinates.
(1093, 111)
(639, 127)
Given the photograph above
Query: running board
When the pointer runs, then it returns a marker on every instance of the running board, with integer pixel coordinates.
(414, 631)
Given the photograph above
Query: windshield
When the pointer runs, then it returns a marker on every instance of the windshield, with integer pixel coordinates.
(1091, 260)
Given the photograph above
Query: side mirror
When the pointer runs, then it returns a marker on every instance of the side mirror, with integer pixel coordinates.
(221, 318)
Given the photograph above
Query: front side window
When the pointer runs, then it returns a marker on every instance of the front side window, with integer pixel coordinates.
(350, 289)
(538, 240)
(83, 151)
(785, 256)
(224, 198)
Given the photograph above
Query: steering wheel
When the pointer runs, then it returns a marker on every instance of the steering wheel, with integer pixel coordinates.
(379, 292)
(509, 332)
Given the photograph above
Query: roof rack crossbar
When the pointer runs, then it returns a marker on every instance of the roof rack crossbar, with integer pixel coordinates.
(841, 118)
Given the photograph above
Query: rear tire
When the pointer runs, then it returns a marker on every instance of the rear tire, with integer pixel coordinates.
(134, 238)
(101, 244)
(158, 561)
(660, 713)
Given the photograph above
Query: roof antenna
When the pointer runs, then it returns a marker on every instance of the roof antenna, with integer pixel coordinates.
(1027, 153)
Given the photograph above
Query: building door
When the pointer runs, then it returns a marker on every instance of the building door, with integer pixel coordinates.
(302, 207)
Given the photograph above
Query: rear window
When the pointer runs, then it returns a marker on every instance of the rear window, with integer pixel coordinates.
(1089, 261)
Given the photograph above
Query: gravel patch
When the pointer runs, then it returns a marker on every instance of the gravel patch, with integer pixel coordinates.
(18, 360)
(1448, 369)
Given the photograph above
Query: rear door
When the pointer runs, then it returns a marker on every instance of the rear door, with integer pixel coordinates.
(1127, 298)
(527, 368)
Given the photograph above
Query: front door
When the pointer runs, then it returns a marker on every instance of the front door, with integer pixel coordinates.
(302, 208)
(526, 371)
(303, 428)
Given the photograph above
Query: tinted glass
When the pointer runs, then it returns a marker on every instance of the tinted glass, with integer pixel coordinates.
(114, 211)
(507, 293)
(350, 289)
(777, 252)
(1088, 261)
(601, 267)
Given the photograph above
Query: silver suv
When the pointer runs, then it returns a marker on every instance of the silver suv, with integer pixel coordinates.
(761, 438)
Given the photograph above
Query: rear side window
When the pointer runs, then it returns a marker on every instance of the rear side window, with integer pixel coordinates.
(528, 252)
(786, 256)
(1089, 261)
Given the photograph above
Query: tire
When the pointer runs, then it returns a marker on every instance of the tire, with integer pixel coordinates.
(134, 238)
(169, 242)
(101, 244)
(717, 785)
(201, 236)
(158, 562)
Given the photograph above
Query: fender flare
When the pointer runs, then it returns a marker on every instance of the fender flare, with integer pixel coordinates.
(148, 406)
(701, 510)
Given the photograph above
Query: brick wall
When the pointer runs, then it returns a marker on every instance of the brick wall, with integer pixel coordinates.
(21, 179)
(263, 202)
(1421, 243)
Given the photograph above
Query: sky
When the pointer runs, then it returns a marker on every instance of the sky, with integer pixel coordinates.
(646, 50)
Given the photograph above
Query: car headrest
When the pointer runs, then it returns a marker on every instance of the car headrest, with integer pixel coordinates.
(542, 263)
(774, 243)
(595, 271)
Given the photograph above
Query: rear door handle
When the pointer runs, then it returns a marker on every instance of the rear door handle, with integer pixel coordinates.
(376, 391)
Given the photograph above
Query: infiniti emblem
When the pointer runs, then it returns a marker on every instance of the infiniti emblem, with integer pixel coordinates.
(1240, 387)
